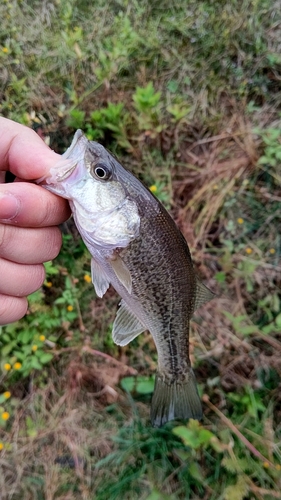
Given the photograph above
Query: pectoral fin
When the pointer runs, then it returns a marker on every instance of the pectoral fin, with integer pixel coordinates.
(122, 272)
(203, 295)
(126, 325)
(99, 279)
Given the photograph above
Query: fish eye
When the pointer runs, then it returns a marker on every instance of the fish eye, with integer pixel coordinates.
(101, 171)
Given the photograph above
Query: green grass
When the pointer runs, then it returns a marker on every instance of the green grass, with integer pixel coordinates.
(188, 96)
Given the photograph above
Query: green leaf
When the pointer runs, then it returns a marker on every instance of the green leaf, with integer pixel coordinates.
(278, 321)
(8, 348)
(237, 491)
(141, 385)
(248, 329)
(25, 336)
(145, 385)
(76, 118)
(220, 277)
(157, 495)
(128, 383)
(50, 268)
(35, 363)
(44, 357)
(193, 435)
(195, 471)
(60, 300)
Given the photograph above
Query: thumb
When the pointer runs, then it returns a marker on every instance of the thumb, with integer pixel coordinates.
(23, 152)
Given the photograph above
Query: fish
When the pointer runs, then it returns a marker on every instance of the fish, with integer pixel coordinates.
(136, 247)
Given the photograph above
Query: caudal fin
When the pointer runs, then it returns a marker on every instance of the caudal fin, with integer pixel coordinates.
(176, 400)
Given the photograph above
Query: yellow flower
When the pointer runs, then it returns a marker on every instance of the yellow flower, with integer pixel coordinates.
(215, 186)
(272, 251)
(266, 465)
(7, 394)
(5, 415)
(34, 348)
(249, 250)
(153, 188)
(5, 50)
(42, 338)
(278, 467)
(240, 220)
(70, 308)
(17, 365)
(7, 366)
(87, 278)
(49, 284)
(1, 446)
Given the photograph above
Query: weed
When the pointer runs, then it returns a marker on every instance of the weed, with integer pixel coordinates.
(188, 95)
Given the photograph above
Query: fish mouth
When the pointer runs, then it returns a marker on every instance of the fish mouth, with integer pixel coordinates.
(58, 176)
(75, 153)
(66, 172)
(72, 156)
(78, 134)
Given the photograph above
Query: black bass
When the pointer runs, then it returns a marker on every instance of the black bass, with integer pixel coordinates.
(136, 246)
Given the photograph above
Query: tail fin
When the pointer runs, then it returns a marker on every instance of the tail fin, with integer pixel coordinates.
(175, 400)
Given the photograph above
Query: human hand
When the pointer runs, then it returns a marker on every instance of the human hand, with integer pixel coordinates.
(29, 215)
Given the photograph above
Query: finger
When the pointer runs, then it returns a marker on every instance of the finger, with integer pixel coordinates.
(28, 205)
(36, 245)
(20, 280)
(23, 152)
(12, 308)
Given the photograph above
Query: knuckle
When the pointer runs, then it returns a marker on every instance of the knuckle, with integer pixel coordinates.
(54, 240)
(45, 215)
(3, 237)
(37, 276)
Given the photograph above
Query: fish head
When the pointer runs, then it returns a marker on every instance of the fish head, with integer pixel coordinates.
(91, 179)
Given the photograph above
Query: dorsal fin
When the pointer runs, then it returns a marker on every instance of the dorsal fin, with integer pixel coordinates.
(203, 294)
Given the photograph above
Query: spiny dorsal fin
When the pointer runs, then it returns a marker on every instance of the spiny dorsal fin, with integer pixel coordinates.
(203, 294)
(99, 279)
(126, 325)
(122, 272)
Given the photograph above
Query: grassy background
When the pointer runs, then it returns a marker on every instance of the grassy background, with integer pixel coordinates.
(188, 96)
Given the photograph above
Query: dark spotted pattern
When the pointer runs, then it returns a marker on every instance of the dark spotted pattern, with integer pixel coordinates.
(164, 284)
(163, 278)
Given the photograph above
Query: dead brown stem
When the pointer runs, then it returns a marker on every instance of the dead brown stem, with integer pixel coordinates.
(234, 429)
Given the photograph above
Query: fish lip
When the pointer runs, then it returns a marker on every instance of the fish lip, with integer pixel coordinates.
(54, 176)
(67, 155)
(65, 172)
(78, 134)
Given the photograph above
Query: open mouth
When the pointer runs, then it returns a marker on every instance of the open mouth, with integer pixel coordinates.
(78, 134)
(66, 172)
(72, 155)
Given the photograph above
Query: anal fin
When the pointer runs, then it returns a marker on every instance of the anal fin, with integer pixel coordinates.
(126, 326)
(99, 279)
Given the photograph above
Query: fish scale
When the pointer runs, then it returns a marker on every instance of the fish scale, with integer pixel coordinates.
(137, 248)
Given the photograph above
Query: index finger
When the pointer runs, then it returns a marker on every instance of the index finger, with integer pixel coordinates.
(31, 206)
(23, 152)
